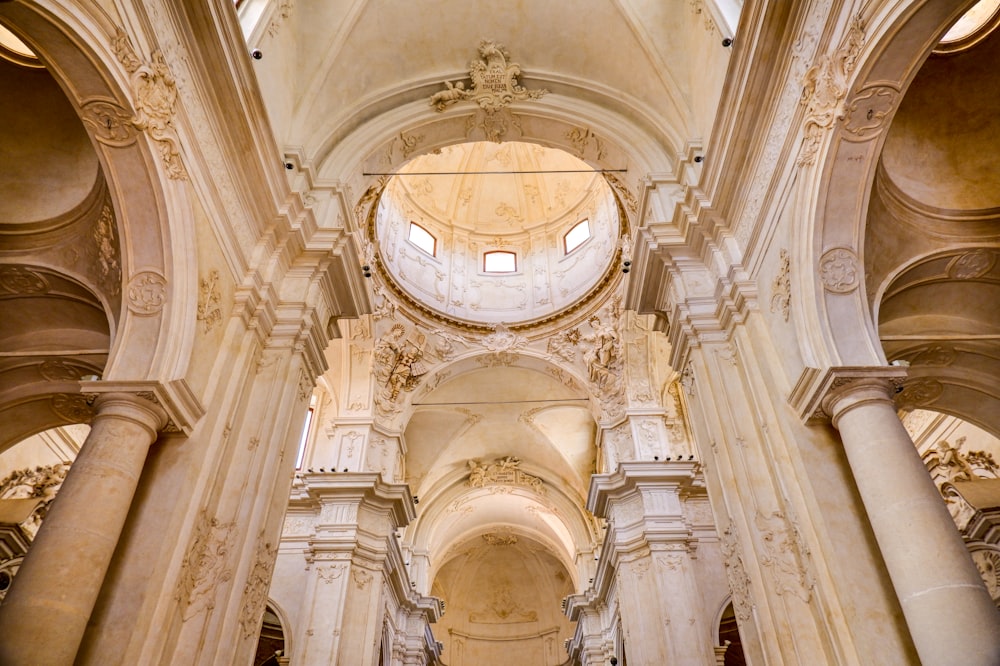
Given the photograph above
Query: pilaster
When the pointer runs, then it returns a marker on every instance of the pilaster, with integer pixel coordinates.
(357, 583)
(650, 549)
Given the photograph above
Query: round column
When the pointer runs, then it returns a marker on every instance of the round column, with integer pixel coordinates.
(45, 613)
(950, 614)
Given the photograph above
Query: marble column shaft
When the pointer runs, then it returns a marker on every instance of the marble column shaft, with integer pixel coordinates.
(45, 614)
(950, 615)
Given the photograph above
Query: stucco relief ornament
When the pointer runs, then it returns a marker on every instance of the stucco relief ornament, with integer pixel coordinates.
(147, 293)
(504, 471)
(935, 355)
(739, 581)
(255, 590)
(988, 565)
(72, 407)
(108, 266)
(20, 280)
(204, 568)
(972, 265)
(781, 287)
(108, 122)
(58, 370)
(839, 271)
(784, 553)
(209, 298)
(42, 482)
(919, 393)
(155, 97)
(824, 87)
(868, 111)
(504, 344)
(494, 86)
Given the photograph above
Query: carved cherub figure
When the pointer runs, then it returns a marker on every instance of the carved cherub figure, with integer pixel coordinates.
(454, 92)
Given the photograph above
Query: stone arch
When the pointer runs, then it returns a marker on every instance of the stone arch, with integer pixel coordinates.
(146, 193)
(839, 328)
(286, 632)
(572, 534)
(603, 138)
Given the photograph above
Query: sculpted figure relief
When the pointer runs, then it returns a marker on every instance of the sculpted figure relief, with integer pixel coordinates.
(398, 364)
(42, 482)
(603, 354)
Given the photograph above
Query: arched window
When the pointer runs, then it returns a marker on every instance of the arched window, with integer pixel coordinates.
(422, 239)
(577, 236)
(499, 261)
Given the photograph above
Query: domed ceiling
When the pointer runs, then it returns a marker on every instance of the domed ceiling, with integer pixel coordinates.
(488, 233)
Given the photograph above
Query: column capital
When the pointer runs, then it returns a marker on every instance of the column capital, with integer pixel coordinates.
(820, 396)
(173, 400)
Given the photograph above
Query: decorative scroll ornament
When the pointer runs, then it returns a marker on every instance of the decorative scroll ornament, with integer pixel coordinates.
(72, 407)
(919, 393)
(494, 86)
(504, 471)
(781, 287)
(839, 271)
(739, 581)
(108, 122)
(785, 553)
(204, 567)
(155, 97)
(936, 356)
(824, 87)
(361, 577)
(970, 265)
(209, 311)
(20, 280)
(868, 111)
(255, 591)
(147, 293)
(499, 539)
(503, 344)
(582, 138)
(58, 370)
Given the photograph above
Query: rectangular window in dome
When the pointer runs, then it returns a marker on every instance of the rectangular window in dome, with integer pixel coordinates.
(422, 239)
(577, 236)
(499, 262)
